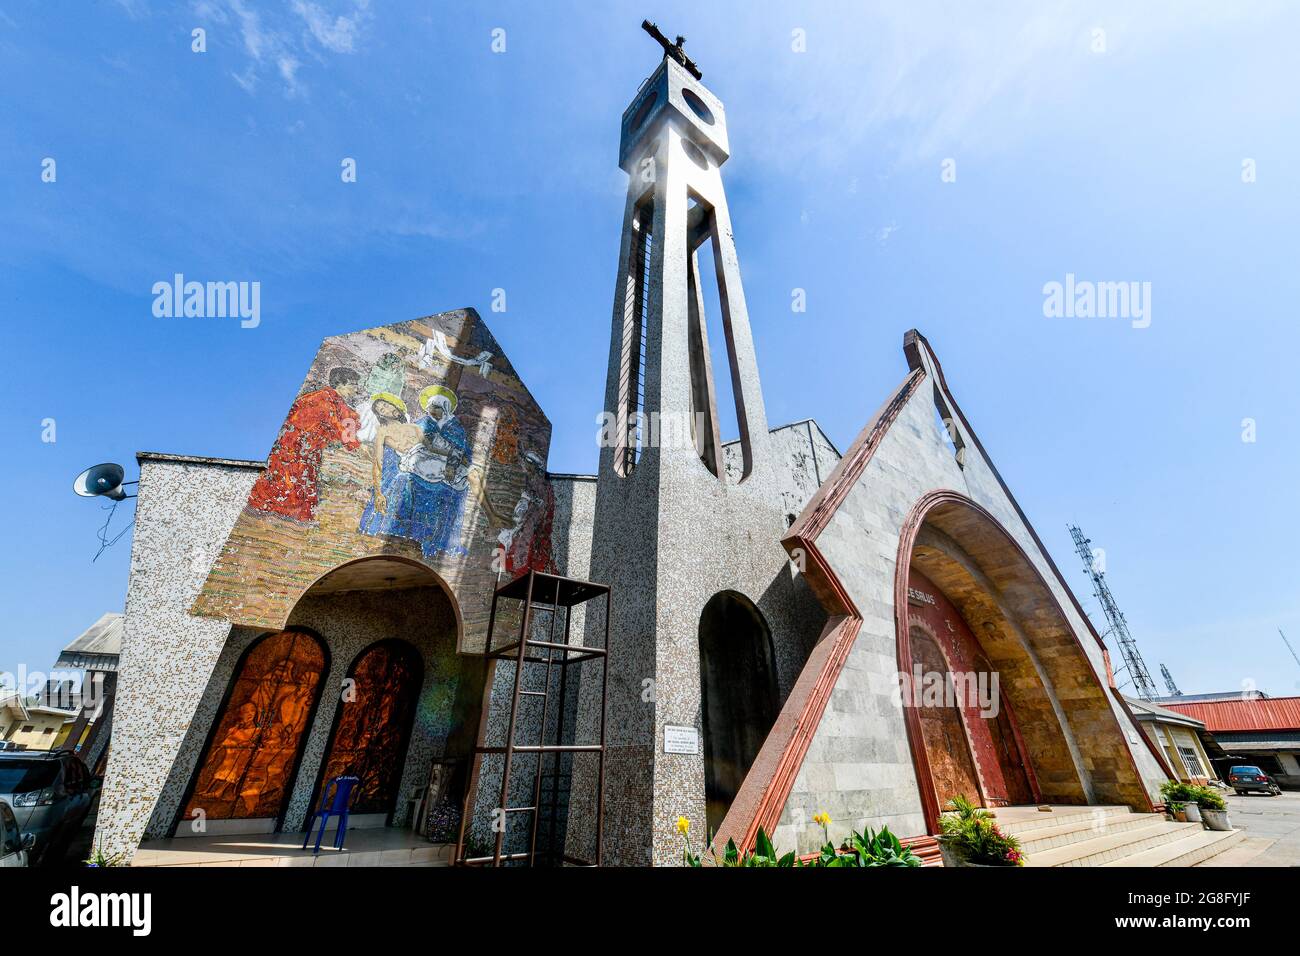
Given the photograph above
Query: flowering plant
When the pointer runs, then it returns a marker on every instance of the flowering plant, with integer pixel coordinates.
(974, 834)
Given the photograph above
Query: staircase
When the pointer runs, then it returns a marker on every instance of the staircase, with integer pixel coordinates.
(1110, 836)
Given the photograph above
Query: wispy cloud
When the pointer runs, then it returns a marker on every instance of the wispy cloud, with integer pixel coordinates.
(338, 35)
(925, 91)
(276, 43)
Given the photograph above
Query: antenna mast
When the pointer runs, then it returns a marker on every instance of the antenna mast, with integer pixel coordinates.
(1133, 663)
(1169, 682)
(1288, 646)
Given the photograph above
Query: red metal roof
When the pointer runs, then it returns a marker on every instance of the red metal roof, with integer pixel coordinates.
(1271, 713)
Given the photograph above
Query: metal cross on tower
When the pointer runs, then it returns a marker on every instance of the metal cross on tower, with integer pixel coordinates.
(1133, 663)
(673, 50)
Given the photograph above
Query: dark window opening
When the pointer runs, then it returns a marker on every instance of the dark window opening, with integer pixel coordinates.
(632, 427)
(738, 696)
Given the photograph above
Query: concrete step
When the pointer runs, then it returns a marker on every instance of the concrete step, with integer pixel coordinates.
(1077, 828)
(1115, 846)
(1020, 821)
(1186, 851)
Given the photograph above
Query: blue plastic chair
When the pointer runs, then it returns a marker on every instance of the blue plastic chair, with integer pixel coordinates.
(333, 803)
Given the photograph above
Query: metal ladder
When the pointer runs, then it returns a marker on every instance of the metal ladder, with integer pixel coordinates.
(564, 593)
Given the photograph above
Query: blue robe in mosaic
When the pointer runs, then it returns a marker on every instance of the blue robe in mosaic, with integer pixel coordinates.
(428, 512)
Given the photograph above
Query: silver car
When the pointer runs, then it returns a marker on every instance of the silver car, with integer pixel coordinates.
(50, 794)
(14, 844)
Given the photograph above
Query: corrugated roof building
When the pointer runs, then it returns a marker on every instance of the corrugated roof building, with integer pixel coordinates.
(1264, 731)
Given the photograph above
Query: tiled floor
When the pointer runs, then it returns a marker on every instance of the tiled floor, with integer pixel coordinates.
(369, 847)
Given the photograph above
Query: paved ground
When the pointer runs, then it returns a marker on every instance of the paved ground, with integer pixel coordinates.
(1265, 819)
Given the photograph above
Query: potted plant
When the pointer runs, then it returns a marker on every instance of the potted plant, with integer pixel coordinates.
(1214, 811)
(971, 837)
(1182, 800)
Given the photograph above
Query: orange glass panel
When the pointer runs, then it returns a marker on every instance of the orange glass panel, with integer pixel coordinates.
(245, 772)
(370, 738)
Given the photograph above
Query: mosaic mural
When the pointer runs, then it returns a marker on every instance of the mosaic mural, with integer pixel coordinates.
(415, 440)
(247, 767)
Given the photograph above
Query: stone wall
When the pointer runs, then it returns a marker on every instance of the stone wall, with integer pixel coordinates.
(184, 512)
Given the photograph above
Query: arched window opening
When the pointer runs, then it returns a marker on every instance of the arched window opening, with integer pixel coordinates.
(632, 429)
(718, 423)
(373, 724)
(738, 696)
(251, 758)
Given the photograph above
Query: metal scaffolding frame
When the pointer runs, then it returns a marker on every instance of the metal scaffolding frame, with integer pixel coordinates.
(544, 593)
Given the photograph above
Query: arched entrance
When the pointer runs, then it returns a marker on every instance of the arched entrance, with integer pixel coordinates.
(251, 757)
(373, 724)
(738, 695)
(1056, 736)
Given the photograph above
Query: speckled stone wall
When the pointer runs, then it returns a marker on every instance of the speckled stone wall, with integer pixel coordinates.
(803, 457)
(858, 766)
(571, 551)
(184, 511)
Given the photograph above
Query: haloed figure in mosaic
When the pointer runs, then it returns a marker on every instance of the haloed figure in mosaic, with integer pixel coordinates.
(386, 378)
(420, 474)
(290, 486)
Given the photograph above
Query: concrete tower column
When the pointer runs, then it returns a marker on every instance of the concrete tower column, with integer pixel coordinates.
(671, 529)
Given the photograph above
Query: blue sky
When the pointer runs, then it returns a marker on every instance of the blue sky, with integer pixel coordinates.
(1118, 160)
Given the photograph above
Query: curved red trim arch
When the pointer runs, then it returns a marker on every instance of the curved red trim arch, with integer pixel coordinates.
(911, 717)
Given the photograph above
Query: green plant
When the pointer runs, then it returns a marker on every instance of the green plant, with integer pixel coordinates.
(1178, 794)
(974, 834)
(1207, 799)
(962, 809)
(99, 859)
(873, 848)
(1175, 791)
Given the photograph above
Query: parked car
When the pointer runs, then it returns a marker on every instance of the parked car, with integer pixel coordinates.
(1246, 779)
(15, 846)
(50, 793)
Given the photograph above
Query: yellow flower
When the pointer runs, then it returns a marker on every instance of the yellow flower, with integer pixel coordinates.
(683, 825)
(822, 819)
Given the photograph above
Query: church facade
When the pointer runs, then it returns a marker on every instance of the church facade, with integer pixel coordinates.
(790, 630)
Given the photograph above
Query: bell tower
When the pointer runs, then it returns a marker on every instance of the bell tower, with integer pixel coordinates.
(678, 519)
(673, 145)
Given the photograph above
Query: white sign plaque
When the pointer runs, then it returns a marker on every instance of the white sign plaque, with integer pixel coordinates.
(681, 740)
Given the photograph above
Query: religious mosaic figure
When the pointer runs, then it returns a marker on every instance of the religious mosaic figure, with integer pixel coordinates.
(526, 540)
(420, 474)
(290, 486)
(386, 378)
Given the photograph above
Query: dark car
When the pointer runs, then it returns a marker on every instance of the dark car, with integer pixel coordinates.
(50, 794)
(1252, 780)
